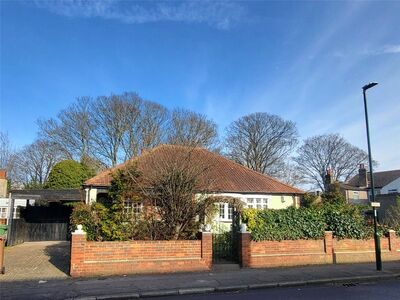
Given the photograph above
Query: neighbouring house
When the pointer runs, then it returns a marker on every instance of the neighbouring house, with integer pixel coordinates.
(5, 201)
(385, 182)
(358, 189)
(353, 194)
(3, 183)
(255, 190)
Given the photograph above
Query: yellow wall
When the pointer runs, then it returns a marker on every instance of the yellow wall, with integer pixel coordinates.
(281, 202)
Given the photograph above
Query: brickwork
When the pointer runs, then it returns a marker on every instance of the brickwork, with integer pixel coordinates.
(138, 257)
(357, 251)
(266, 254)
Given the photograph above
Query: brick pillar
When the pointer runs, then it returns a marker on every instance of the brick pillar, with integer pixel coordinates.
(244, 250)
(393, 243)
(78, 242)
(206, 248)
(328, 245)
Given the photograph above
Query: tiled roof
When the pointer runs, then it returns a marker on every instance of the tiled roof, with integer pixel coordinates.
(226, 175)
(350, 187)
(380, 178)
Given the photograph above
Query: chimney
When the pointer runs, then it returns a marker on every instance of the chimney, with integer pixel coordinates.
(3, 183)
(362, 176)
(328, 179)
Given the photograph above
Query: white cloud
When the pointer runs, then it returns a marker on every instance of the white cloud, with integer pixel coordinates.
(220, 14)
(372, 51)
(390, 49)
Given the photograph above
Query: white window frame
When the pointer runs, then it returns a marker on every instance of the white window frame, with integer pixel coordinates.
(225, 212)
(221, 211)
(133, 207)
(3, 212)
(260, 202)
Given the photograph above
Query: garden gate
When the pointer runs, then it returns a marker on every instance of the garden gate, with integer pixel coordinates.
(226, 243)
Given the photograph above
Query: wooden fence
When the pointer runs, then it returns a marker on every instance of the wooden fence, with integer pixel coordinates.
(22, 231)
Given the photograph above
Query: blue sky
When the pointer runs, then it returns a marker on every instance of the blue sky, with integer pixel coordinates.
(305, 61)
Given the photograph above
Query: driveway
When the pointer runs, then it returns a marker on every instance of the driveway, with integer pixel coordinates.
(37, 261)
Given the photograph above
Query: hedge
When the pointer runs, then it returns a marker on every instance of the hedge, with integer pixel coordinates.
(306, 223)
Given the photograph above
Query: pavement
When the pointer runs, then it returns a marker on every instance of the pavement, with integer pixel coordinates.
(36, 261)
(221, 280)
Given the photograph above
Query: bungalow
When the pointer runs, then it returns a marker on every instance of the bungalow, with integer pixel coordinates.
(255, 190)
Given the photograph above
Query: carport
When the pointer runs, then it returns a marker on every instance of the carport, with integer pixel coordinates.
(45, 220)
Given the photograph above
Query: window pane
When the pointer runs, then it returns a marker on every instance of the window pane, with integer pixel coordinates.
(137, 208)
(250, 200)
(222, 210)
(230, 211)
(250, 206)
(128, 206)
(258, 200)
(259, 206)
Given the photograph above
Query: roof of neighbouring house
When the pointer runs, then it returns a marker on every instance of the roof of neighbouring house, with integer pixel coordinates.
(227, 175)
(351, 187)
(380, 178)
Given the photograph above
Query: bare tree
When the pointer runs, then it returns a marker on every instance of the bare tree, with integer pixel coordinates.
(147, 129)
(329, 151)
(111, 129)
(290, 174)
(7, 155)
(178, 186)
(153, 124)
(112, 118)
(261, 142)
(192, 129)
(71, 130)
(35, 161)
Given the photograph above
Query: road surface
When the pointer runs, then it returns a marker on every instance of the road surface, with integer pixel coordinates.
(387, 290)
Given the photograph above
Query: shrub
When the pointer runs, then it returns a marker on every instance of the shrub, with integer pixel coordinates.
(346, 221)
(286, 224)
(392, 218)
(89, 216)
(103, 223)
(333, 195)
(309, 199)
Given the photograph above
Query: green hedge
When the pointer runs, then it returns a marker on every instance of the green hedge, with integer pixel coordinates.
(345, 221)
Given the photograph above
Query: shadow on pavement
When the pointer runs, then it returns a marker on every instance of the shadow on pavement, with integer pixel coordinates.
(59, 256)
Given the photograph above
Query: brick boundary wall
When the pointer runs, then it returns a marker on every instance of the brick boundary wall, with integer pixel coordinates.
(269, 254)
(357, 251)
(139, 257)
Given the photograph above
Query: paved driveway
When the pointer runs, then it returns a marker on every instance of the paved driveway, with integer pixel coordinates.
(37, 261)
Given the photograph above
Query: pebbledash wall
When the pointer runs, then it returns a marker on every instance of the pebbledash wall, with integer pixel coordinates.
(138, 257)
(265, 254)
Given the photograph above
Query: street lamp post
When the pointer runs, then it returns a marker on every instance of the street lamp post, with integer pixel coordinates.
(374, 206)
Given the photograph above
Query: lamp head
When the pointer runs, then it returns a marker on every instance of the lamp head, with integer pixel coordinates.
(369, 85)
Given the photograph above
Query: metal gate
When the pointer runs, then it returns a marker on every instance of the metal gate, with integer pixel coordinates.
(226, 244)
